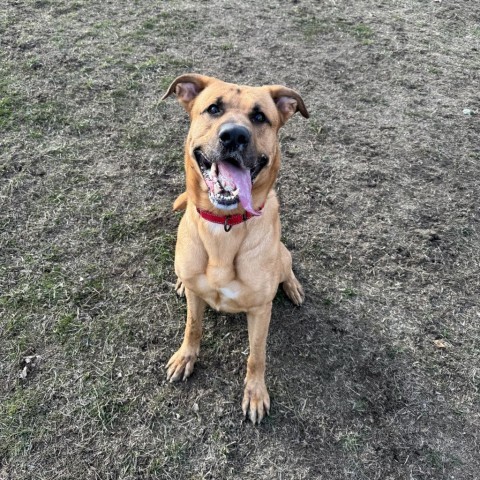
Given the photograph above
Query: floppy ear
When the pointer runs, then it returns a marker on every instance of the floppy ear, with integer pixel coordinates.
(288, 102)
(186, 88)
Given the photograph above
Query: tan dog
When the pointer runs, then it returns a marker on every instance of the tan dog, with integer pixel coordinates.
(229, 254)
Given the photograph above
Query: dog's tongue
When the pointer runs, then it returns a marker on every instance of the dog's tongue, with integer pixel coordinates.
(243, 181)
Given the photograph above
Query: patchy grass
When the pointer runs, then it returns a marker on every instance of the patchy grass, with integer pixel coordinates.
(363, 32)
(374, 377)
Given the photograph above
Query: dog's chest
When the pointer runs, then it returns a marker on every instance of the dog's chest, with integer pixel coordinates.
(230, 271)
(222, 289)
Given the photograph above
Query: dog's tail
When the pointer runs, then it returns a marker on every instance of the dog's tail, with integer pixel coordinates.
(181, 202)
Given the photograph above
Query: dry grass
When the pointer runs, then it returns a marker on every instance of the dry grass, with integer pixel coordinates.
(376, 377)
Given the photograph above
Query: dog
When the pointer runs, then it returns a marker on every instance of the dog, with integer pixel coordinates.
(228, 253)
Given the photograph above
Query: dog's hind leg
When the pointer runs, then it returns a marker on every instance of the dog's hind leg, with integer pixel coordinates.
(180, 288)
(180, 202)
(291, 286)
(180, 366)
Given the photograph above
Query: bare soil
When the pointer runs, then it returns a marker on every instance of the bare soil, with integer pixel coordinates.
(375, 377)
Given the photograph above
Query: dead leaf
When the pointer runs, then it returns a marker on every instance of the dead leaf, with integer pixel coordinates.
(439, 343)
(28, 364)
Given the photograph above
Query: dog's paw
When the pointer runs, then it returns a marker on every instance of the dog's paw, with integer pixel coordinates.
(180, 288)
(180, 366)
(294, 290)
(256, 401)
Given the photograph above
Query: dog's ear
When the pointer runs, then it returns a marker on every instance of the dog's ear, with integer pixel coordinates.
(186, 88)
(288, 102)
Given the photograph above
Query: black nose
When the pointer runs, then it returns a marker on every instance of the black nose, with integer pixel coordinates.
(234, 137)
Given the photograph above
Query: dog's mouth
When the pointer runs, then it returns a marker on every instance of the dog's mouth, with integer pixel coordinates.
(228, 182)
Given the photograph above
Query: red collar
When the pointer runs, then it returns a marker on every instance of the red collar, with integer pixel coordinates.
(228, 221)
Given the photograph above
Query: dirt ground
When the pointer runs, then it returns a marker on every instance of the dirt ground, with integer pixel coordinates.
(377, 376)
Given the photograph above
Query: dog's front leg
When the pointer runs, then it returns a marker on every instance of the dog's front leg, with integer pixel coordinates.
(180, 366)
(256, 401)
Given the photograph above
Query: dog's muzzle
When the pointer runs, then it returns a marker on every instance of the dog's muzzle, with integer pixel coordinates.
(228, 181)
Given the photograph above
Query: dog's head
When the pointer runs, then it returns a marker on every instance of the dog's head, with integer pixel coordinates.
(232, 144)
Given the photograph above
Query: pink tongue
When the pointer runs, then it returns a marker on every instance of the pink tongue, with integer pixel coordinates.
(241, 178)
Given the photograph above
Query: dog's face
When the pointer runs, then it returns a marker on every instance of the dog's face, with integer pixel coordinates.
(232, 142)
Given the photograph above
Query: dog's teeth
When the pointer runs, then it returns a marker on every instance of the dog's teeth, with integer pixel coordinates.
(213, 170)
(217, 188)
(235, 192)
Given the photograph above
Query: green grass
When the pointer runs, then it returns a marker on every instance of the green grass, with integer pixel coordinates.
(226, 47)
(17, 321)
(149, 24)
(20, 415)
(167, 24)
(144, 138)
(161, 255)
(439, 460)
(6, 111)
(349, 293)
(363, 33)
(312, 26)
(350, 442)
(44, 290)
(67, 325)
(165, 82)
(17, 113)
(9, 100)
(120, 228)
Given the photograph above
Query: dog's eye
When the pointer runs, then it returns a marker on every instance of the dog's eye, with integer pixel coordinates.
(213, 109)
(259, 117)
